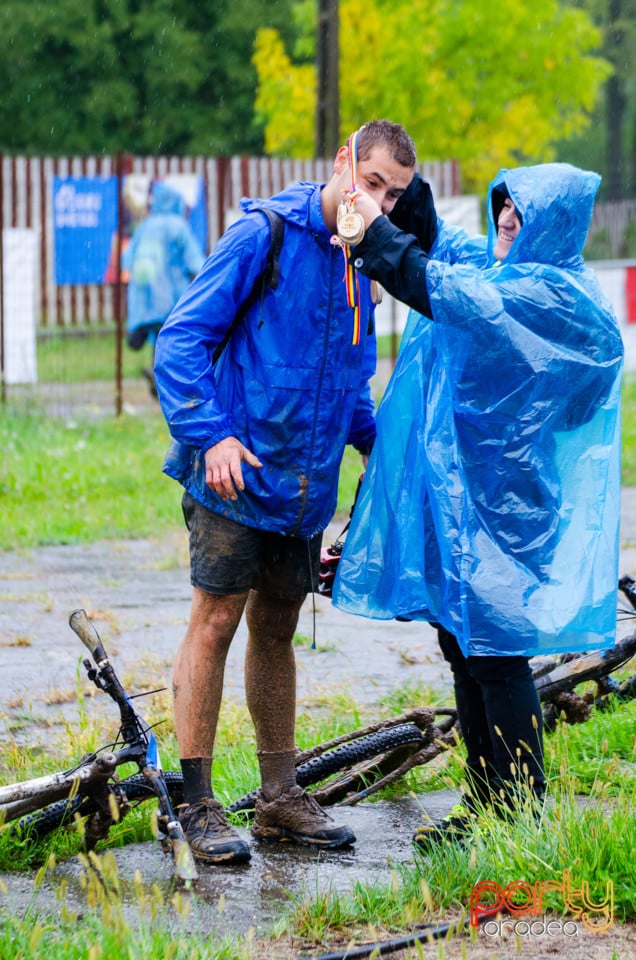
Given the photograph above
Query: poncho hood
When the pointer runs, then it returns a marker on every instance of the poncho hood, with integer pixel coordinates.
(165, 199)
(555, 201)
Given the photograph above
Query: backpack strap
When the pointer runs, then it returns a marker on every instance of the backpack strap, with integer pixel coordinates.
(268, 277)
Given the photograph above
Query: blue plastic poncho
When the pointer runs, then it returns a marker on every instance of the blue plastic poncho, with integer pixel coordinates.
(163, 256)
(491, 501)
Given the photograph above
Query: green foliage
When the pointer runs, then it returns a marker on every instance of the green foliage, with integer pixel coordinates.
(154, 76)
(457, 95)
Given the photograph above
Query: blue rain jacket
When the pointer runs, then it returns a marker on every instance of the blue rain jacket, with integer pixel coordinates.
(491, 501)
(162, 257)
(290, 385)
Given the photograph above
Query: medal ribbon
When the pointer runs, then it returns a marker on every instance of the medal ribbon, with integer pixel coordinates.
(351, 275)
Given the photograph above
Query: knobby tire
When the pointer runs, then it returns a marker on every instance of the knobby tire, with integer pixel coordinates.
(344, 757)
(62, 813)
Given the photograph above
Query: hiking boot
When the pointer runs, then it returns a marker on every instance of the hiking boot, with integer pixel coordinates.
(210, 836)
(456, 828)
(296, 816)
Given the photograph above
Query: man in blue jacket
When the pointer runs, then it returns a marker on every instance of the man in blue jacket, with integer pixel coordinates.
(258, 440)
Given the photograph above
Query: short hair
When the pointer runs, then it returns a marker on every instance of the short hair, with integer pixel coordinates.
(384, 133)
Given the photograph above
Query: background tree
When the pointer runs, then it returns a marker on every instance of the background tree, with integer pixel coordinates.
(146, 76)
(488, 88)
(610, 144)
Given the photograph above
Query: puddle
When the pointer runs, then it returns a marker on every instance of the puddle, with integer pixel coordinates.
(255, 895)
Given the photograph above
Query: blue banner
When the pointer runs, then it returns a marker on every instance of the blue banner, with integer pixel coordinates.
(85, 222)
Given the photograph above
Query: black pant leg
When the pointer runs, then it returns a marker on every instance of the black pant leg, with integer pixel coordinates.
(514, 718)
(473, 720)
(500, 718)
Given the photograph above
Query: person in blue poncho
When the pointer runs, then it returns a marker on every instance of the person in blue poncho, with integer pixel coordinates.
(490, 506)
(162, 258)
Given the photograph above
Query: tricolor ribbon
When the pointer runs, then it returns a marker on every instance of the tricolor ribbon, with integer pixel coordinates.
(351, 276)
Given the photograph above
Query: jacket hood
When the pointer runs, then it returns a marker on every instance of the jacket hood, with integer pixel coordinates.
(165, 199)
(299, 203)
(555, 201)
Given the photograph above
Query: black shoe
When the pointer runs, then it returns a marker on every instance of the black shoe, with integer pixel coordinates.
(211, 838)
(456, 828)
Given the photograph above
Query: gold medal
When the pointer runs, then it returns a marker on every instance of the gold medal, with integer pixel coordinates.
(350, 225)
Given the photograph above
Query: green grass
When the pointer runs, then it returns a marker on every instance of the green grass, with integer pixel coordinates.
(72, 482)
(629, 430)
(84, 356)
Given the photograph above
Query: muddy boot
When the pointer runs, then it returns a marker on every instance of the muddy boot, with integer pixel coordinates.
(210, 836)
(296, 816)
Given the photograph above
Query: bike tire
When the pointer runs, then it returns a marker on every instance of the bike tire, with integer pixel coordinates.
(343, 757)
(136, 788)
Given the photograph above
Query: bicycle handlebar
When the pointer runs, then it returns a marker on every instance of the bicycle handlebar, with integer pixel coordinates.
(82, 626)
(107, 679)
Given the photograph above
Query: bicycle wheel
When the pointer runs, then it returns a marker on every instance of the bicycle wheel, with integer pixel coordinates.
(135, 788)
(344, 757)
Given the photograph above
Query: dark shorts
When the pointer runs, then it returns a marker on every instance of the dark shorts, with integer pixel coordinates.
(228, 558)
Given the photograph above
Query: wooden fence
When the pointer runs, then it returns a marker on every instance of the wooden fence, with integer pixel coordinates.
(26, 201)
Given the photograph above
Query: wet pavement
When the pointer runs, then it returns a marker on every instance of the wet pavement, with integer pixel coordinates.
(138, 594)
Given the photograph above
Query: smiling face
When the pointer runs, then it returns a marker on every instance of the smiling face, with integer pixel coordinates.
(508, 226)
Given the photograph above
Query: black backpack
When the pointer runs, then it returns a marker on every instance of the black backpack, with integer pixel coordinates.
(267, 278)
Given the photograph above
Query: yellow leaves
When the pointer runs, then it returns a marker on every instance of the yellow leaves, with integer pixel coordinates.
(286, 97)
(487, 90)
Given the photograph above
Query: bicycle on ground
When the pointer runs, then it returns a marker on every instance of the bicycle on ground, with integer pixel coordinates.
(91, 790)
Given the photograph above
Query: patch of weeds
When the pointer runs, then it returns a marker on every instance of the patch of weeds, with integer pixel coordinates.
(19, 642)
(162, 927)
(414, 694)
(57, 696)
(600, 750)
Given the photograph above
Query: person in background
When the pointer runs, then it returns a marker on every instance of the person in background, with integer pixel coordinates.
(490, 507)
(162, 258)
(259, 435)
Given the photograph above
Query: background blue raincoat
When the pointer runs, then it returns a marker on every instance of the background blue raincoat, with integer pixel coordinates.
(491, 501)
(163, 256)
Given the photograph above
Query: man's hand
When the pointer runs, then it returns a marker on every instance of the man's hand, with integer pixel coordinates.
(223, 472)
